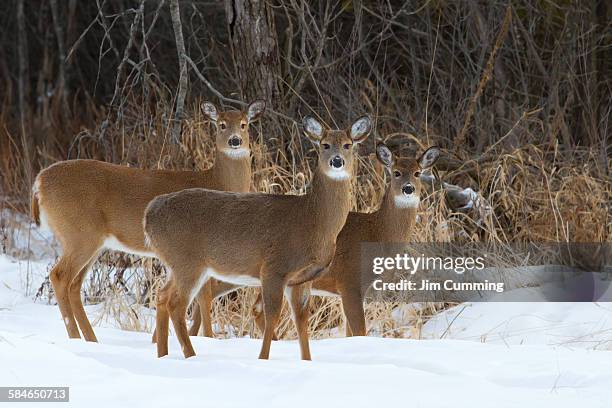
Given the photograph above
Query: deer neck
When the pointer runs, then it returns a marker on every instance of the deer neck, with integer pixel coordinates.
(329, 202)
(232, 173)
(394, 224)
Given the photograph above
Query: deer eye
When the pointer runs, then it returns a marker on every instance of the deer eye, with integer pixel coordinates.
(223, 125)
(417, 174)
(347, 146)
(397, 173)
(243, 126)
(326, 146)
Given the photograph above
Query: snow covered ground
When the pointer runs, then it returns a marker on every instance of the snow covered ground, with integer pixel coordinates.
(567, 325)
(476, 355)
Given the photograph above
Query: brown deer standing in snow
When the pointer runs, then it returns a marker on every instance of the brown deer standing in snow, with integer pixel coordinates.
(91, 205)
(392, 222)
(277, 242)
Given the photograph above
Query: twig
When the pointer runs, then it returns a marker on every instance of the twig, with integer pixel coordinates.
(126, 51)
(433, 60)
(452, 321)
(364, 53)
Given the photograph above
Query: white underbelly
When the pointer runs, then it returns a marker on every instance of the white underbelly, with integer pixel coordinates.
(201, 281)
(324, 293)
(113, 243)
(240, 280)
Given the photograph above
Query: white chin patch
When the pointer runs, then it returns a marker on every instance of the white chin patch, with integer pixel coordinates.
(236, 153)
(404, 201)
(338, 174)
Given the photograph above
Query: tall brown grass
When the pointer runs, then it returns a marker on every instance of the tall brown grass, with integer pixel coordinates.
(535, 193)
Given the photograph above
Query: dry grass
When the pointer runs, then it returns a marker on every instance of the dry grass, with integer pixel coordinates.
(536, 193)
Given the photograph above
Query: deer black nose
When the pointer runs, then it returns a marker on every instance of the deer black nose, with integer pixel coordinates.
(234, 141)
(408, 189)
(336, 162)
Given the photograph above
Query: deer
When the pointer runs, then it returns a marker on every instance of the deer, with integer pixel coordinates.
(91, 205)
(392, 222)
(277, 242)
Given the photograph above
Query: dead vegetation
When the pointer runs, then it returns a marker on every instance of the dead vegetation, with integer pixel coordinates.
(518, 95)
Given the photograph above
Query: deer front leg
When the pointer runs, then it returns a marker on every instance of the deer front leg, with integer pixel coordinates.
(272, 285)
(202, 311)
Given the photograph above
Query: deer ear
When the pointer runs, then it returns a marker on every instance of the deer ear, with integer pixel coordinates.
(255, 109)
(312, 128)
(360, 129)
(210, 111)
(384, 155)
(429, 157)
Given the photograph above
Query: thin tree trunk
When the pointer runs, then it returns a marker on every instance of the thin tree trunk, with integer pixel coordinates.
(62, 80)
(255, 49)
(460, 139)
(23, 86)
(175, 14)
(500, 85)
(22, 50)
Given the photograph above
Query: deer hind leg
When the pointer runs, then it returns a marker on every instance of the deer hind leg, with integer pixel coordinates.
(160, 334)
(62, 275)
(299, 300)
(177, 306)
(272, 293)
(60, 280)
(202, 311)
(196, 317)
(348, 331)
(258, 314)
(154, 335)
(352, 303)
(77, 304)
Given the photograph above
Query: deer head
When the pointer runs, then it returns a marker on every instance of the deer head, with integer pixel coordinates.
(405, 174)
(232, 136)
(336, 147)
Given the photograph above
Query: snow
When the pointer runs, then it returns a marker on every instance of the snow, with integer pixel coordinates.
(569, 325)
(528, 356)
(25, 239)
